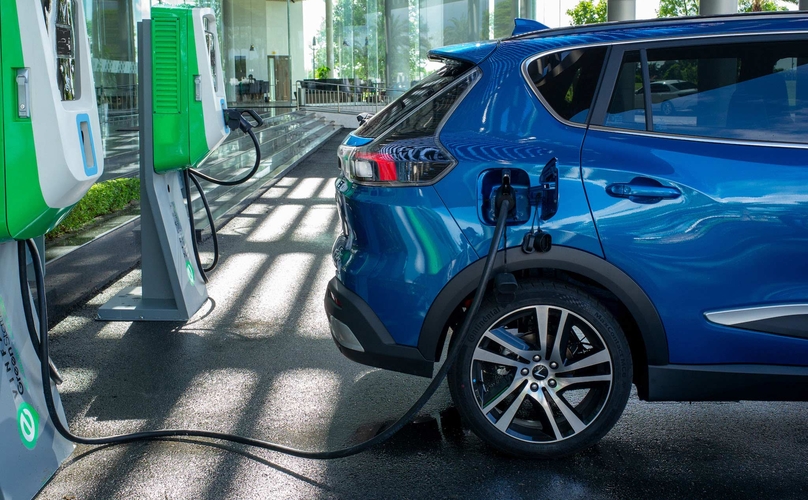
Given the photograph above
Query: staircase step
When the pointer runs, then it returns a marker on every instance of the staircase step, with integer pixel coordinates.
(223, 199)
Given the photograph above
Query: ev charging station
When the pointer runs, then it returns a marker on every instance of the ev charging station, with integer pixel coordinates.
(50, 147)
(51, 152)
(181, 106)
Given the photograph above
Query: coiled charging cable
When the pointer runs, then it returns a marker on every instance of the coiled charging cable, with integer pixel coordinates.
(318, 455)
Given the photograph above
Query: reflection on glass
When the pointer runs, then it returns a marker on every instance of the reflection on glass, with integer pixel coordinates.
(46, 12)
(65, 48)
(209, 38)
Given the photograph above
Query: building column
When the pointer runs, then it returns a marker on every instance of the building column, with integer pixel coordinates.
(621, 10)
(396, 15)
(329, 37)
(716, 7)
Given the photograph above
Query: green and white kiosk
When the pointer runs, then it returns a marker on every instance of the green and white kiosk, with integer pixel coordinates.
(182, 120)
(50, 147)
(51, 154)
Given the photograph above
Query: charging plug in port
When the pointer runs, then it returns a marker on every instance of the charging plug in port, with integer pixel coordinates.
(496, 185)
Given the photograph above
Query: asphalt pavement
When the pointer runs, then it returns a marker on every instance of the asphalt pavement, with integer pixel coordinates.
(258, 360)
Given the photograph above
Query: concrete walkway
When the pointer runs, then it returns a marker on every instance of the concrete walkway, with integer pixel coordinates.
(258, 360)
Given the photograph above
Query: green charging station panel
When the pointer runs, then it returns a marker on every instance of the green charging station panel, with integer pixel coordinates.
(187, 87)
(50, 139)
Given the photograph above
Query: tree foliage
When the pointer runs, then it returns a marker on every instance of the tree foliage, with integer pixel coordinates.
(588, 12)
(678, 8)
(763, 5)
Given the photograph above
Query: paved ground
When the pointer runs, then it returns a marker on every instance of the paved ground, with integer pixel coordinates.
(258, 360)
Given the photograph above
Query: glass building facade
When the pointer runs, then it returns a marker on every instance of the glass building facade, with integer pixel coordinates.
(268, 45)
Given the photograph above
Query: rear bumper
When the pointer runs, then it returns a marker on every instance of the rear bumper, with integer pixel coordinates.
(362, 337)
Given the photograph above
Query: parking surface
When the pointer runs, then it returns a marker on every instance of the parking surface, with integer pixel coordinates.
(258, 360)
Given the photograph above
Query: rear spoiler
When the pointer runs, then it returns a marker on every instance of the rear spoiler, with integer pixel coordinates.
(472, 52)
(476, 52)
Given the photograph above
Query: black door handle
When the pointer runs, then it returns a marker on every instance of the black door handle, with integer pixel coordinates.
(643, 190)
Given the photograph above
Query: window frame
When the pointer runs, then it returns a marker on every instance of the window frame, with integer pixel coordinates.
(607, 86)
(526, 75)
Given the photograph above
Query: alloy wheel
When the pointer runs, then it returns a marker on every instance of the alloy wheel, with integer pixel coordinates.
(541, 374)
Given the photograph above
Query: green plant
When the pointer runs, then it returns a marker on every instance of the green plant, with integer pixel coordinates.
(677, 8)
(762, 5)
(321, 72)
(102, 199)
(588, 12)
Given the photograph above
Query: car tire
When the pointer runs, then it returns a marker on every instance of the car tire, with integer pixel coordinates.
(667, 108)
(569, 398)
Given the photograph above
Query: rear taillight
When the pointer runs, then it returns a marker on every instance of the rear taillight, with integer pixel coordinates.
(383, 168)
(409, 153)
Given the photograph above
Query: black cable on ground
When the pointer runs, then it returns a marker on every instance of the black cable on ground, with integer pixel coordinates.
(321, 455)
(26, 307)
(192, 222)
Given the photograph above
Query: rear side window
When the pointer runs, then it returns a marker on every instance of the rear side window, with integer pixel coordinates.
(751, 91)
(627, 107)
(420, 93)
(567, 80)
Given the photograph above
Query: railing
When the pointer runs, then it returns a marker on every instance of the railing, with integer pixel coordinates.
(342, 96)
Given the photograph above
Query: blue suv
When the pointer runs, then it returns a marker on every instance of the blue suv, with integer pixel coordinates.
(666, 160)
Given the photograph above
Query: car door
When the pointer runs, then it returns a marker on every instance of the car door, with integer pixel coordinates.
(707, 209)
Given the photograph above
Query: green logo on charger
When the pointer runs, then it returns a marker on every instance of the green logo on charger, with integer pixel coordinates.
(191, 274)
(28, 425)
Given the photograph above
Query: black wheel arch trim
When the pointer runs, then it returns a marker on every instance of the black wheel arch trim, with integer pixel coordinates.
(560, 258)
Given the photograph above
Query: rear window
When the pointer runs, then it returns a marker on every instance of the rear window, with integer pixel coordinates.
(567, 80)
(422, 91)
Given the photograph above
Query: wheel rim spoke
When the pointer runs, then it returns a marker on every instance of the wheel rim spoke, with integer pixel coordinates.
(555, 353)
(575, 422)
(507, 392)
(564, 382)
(509, 341)
(490, 357)
(591, 360)
(505, 420)
(548, 413)
(542, 317)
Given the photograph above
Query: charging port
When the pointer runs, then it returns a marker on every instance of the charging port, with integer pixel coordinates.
(493, 184)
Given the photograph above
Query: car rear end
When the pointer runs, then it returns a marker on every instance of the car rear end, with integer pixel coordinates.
(399, 244)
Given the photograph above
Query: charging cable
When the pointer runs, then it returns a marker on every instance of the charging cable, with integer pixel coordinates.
(471, 312)
(235, 119)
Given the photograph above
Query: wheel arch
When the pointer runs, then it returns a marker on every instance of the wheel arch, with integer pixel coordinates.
(630, 305)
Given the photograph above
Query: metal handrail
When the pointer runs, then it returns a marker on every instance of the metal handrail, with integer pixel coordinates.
(342, 97)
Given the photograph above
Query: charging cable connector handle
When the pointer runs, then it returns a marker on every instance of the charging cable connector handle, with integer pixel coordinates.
(505, 192)
(235, 119)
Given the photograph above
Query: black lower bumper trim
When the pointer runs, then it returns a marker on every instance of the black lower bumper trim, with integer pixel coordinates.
(380, 350)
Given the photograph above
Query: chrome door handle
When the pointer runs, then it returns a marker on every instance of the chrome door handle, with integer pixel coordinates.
(198, 87)
(23, 94)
